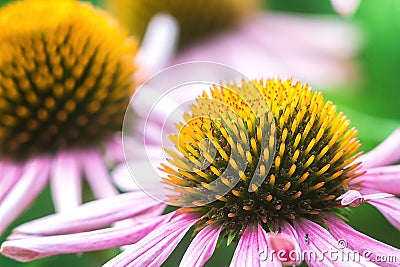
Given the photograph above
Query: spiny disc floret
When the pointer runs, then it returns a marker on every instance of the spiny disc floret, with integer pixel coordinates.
(299, 148)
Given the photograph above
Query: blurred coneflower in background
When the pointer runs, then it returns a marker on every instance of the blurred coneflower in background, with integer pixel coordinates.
(320, 49)
(66, 72)
(280, 179)
(197, 18)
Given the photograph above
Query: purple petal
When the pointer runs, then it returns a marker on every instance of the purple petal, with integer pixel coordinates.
(39, 247)
(97, 174)
(114, 149)
(286, 246)
(390, 208)
(385, 179)
(320, 248)
(314, 57)
(345, 7)
(388, 152)
(247, 252)
(123, 178)
(92, 215)
(10, 173)
(201, 248)
(155, 248)
(30, 184)
(366, 246)
(265, 257)
(66, 181)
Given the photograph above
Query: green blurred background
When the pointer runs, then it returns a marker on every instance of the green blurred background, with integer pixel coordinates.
(373, 106)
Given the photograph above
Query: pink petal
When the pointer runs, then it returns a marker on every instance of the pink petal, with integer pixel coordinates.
(155, 248)
(10, 173)
(158, 45)
(288, 229)
(315, 56)
(366, 246)
(388, 152)
(114, 149)
(353, 198)
(39, 247)
(92, 215)
(97, 174)
(288, 232)
(123, 178)
(287, 249)
(247, 253)
(345, 7)
(327, 251)
(201, 248)
(33, 179)
(265, 257)
(390, 208)
(66, 181)
(385, 179)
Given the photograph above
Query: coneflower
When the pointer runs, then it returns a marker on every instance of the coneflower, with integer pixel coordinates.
(196, 19)
(268, 164)
(65, 81)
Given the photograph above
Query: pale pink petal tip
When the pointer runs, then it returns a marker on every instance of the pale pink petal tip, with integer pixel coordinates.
(286, 247)
(353, 198)
(345, 7)
(17, 254)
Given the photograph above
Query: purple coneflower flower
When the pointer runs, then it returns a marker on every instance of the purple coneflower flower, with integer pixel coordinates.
(281, 206)
(65, 80)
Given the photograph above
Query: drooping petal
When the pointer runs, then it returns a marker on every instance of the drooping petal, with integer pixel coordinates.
(265, 256)
(66, 181)
(155, 248)
(201, 248)
(366, 246)
(40, 247)
(388, 152)
(247, 253)
(31, 183)
(97, 174)
(91, 215)
(354, 198)
(345, 7)
(320, 248)
(390, 208)
(385, 179)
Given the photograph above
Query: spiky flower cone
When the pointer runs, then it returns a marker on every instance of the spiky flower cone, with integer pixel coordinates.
(65, 76)
(264, 152)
